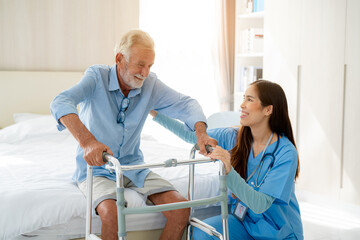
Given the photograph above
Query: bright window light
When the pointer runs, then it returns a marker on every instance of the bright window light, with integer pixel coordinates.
(184, 33)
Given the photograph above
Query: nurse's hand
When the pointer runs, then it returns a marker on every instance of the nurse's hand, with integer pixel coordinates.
(222, 155)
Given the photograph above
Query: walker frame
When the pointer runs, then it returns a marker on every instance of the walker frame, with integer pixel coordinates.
(114, 165)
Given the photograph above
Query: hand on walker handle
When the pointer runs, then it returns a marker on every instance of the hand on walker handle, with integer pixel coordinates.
(204, 140)
(104, 154)
(207, 147)
(93, 153)
(222, 155)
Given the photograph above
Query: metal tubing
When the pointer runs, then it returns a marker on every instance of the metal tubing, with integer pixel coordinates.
(191, 178)
(224, 207)
(172, 206)
(160, 165)
(120, 204)
(114, 165)
(89, 186)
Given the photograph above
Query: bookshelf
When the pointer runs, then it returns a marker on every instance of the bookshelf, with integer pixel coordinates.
(249, 38)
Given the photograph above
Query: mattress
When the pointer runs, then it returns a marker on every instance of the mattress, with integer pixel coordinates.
(38, 197)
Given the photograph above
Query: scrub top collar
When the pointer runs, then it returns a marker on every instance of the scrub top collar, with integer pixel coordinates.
(114, 83)
(269, 148)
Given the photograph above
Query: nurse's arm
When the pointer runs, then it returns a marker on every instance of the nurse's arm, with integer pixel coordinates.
(258, 202)
(174, 126)
(93, 149)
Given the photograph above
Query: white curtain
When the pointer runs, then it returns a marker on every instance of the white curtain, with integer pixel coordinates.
(225, 53)
(184, 32)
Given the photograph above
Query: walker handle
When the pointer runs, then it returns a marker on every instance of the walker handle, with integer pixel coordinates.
(104, 154)
(207, 147)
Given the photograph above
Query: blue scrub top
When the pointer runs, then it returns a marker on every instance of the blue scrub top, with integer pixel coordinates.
(282, 219)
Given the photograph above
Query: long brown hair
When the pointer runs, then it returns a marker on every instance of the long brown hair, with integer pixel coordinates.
(269, 94)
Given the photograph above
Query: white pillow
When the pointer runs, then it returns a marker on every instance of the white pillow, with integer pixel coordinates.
(33, 127)
(20, 117)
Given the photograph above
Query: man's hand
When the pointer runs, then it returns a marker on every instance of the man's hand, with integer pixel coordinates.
(93, 152)
(203, 139)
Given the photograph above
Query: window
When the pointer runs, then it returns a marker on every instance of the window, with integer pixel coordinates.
(184, 32)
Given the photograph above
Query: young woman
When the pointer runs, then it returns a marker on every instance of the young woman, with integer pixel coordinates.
(261, 163)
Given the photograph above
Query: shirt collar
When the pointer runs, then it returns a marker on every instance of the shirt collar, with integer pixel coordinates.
(114, 83)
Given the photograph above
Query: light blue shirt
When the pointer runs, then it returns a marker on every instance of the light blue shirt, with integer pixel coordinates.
(99, 97)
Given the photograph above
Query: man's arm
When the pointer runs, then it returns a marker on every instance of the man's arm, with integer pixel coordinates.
(93, 149)
(203, 138)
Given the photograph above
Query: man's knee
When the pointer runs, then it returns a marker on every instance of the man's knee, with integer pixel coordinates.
(107, 211)
(180, 216)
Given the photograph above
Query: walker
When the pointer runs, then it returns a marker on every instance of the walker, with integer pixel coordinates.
(114, 165)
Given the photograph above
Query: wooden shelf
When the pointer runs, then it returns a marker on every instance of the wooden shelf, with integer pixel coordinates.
(248, 25)
(255, 59)
(254, 15)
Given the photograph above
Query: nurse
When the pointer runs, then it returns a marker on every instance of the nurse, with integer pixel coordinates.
(261, 163)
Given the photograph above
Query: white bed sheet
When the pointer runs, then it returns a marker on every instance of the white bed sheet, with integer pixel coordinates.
(37, 193)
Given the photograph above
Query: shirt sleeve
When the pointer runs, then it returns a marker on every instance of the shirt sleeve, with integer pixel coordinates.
(258, 202)
(176, 105)
(66, 102)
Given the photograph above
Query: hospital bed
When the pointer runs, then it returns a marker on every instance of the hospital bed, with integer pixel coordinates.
(38, 199)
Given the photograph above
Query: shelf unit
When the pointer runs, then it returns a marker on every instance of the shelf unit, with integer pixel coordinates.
(248, 49)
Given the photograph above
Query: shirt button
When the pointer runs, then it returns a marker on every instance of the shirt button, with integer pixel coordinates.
(252, 183)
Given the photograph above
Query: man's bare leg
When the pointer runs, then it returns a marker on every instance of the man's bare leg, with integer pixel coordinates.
(176, 219)
(108, 214)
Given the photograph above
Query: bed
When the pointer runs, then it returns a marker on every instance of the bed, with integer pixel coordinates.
(38, 199)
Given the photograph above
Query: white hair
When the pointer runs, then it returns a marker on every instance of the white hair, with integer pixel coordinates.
(131, 38)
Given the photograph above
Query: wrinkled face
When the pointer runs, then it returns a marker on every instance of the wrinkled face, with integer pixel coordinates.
(252, 112)
(133, 72)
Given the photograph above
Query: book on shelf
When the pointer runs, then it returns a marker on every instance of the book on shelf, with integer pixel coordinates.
(250, 6)
(251, 41)
(246, 76)
(258, 5)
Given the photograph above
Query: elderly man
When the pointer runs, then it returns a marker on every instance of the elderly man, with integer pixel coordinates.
(114, 104)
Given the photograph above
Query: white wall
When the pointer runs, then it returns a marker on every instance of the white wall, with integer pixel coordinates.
(62, 35)
(315, 56)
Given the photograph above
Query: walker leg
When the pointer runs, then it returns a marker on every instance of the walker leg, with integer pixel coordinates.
(120, 203)
(225, 225)
(89, 186)
(224, 206)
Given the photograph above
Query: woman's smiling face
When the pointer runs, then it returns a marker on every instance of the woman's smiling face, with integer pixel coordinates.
(252, 111)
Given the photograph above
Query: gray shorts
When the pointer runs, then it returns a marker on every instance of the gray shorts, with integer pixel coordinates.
(104, 188)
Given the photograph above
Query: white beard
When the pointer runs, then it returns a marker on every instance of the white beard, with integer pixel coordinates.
(132, 81)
